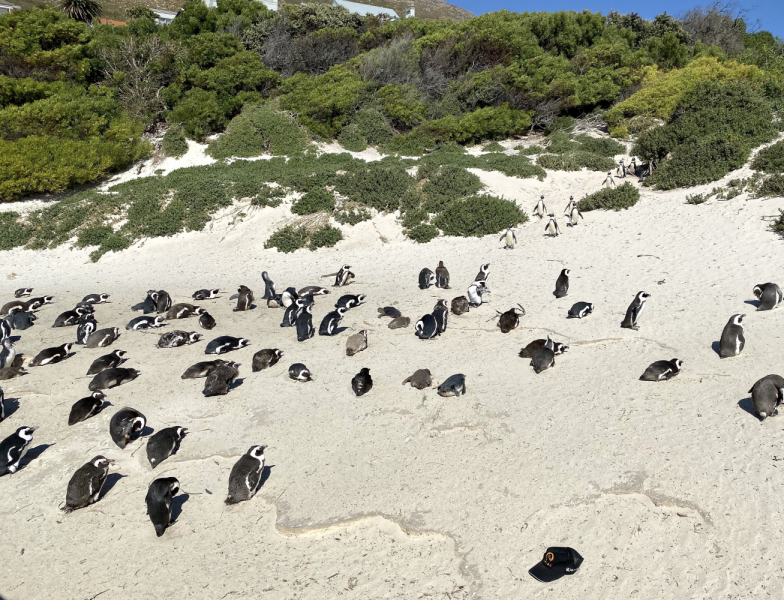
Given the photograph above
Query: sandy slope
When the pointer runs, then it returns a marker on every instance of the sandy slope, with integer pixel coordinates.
(668, 490)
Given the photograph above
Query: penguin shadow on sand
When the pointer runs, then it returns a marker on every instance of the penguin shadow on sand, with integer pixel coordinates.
(34, 453)
(716, 347)
(11, 406)
(747, 405)
(177, 503)
(265, 474)
(111, 481)
(754, 303)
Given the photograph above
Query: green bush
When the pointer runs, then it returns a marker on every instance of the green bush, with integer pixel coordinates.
(575, 162)
(200, 113)
(778, 224)
(771, 187)
(601, 146)
(414, 217)
(112, 243)
(259, 129)
(316, 200)
(514, 166)
(325, 237)
(373, 126)
(174, 141)
(621, 197)
(447, 184)
(352, 217)
(422, 233)
(378, 185)
(697, 198)
(478, 216)
(288, 239)
(93, 236)
(493, 147)
(771, 159)
(351, 138)
(12, 232)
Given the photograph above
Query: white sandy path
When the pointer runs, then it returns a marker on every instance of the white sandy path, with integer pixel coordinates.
(668, 490)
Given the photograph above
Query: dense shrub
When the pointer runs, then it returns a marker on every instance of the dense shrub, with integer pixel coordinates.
(712, 132)
(316, 200)
(422, 233)
(93, 236)
(772, 186)
(771, 159)
(325, 237)
(478, 216)
(446, 184)
(288, 239)
(493, 147)
(12, 232)
(352, 217)
(259, 129)
(696, 199)
(514, 166)
(621, 197)
(351, 138)
(174, 142)
(377, 185)
(200, 113)
(575, 162)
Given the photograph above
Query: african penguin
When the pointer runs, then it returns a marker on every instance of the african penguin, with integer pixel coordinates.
(291, 313)
(475, 292)
(176, 338)
(510, 319)
(69, 317)
(245, 299)
(570, 206)
(766, 395)
(399, 322)
(106, 362)
(87, 325)
(343, 276)
(460, 305)
(85, 485)
(362, 382)
(2, 405)
(51, 356)
(103, 337)
(426, 328)
(125, 424)
(543, 357)
(245, 475)
(350, 301)
(662, 370)
(86, 407)
(509, 238)
(205, 294)
(552, 227)
(36, 303)
(164, 443)
(440, 313)
(580, 310)
(426, 278)
(264, 359)
(331, 322)
(221, 378)
(5, 330)
(159, 501)
(269, 287)
(420, 380)
(96, 298)
(732, 340)
(484, 273)
(13, 448)
(225, 343)
(357, 343)
(299, 372)
(442, 276)
(183, 311)
(87, 307)
(528, 351)
(21, 320)
(304, 324)
(288, 297)
(634, 311)
(562, 284)
(200, 369)
(540, 210)
(162, 302)
(112, 377)
(574, 215)
(11, 307)
(454, 385)
(768, 294)
(11, 372)
(7, 354)
(206, 321)
(22, 292)
(150, 304)
(388, 311)
(145, 322)
(313, 290)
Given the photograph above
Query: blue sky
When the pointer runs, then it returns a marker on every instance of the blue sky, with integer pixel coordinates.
(769, 12)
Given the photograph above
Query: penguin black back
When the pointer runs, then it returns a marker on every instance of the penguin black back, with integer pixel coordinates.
(126, 424)
(159, 501)
(86, 407)
(362, 382)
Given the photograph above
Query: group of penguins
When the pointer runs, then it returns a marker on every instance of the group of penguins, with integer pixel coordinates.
(127, 424)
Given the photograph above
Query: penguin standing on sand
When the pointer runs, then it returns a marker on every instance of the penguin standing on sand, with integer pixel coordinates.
(426, 278)
(264, 359)
(163, 301)
(7, 354)
(331, 321)
(362, 382)
(540, 210)
(442, 276)
(86, 407)
(269, 287)
(2, 405)
(87, 325)
(304, 324)
(574, 215)
(13, 448)
(246, 475)
(159, 501)
(634, 311)
(569, 207)
(509, 238)
(768, 294)
(562, 284)
(292, 312)
(164, 443)
(5, 330)
(245, 299)
(342, 277)
(475, 292)
(51, 356)
(732, 340)
(85, 485)
(766, 396)
(125, 424)
(552, 227)
(484, 273)
(440, 313)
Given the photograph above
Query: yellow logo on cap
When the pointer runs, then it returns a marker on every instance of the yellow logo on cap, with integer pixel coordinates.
(549, 558)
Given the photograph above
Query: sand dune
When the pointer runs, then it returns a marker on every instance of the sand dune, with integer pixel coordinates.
(668, 490)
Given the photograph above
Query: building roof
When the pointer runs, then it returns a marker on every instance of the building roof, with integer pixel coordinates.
(165, 13)
(364, 9)
(9, 5)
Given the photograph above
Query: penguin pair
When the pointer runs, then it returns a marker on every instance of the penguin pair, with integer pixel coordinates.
(25, 306)
(572, 211)
(156, 302)
(432, 325)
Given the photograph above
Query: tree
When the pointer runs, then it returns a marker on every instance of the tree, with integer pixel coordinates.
(81, 10)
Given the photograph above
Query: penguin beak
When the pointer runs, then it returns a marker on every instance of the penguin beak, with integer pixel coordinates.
(111, 462)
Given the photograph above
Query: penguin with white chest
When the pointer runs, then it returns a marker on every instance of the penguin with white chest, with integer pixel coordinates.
(634, 311)
(362, 382)
(225, 343)
(245, 475)
(732, 340)
(304, 324)
(440, 314)
(509, 238)
(245, 299)
(183, 311)
(85, 485)
(484, 273)
(331, 322)
(7, 354)
(299, 372)
(164, 443)
(106, 362)
(426, 328)
(575, 215)
(540, 210)
(269, 288)
(343, 277)
(475, 292)
(51, 356)
(103, 337)
(145, 322)
(766, 396)
(69, 317)
(13, 449)
(426, 278)
(159, 501)
(350, 301)
(87, 325)
(205, 294)
(177, 338)
(552, 228)
(662, 370)
(292, 312)
(768, 294)
(96, 298)
(580, 310)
